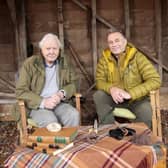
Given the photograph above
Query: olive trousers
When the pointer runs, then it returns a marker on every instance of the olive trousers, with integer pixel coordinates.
(105, 105)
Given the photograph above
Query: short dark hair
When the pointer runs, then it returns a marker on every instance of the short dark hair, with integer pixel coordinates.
(115, 31)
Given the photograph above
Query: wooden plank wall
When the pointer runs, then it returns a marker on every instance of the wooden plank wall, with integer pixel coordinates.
(42, 17)
(7, 57)
(165, 38)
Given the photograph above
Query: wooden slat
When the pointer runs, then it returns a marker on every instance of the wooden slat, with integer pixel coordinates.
(9, 95)
(154, 117)
(23, 128)
(158, 113)
(94, 37)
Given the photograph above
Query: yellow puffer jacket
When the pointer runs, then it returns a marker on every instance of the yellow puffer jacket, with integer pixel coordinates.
(133, 72)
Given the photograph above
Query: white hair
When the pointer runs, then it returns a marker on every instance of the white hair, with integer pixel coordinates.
(46, 37)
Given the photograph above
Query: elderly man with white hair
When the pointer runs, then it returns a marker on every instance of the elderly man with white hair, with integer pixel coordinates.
(45, 82)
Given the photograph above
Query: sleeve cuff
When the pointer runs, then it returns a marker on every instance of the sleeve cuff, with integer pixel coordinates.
(64, 93)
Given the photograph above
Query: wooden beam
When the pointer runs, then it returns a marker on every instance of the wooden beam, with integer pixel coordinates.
(158, 31)
(9, 95)
(17, 11)
(94, 37)
(127, 18)
(61, 24)
(12, 10)
(76, 58)
(99, 18)
(7, 83)
(22, 31)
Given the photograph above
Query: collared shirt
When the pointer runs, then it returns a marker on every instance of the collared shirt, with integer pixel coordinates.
(51, 85)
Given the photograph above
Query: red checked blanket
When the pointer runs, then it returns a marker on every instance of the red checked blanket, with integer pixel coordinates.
(106, 153)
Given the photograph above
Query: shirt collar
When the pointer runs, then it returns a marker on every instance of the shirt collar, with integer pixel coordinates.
(54, 63)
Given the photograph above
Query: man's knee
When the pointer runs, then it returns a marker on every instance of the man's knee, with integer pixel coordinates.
(69, 117)
(99, 95)
(144, 113)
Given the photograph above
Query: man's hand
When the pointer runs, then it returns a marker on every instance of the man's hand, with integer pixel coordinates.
(52, 101)
(119, 95)
(60, 94)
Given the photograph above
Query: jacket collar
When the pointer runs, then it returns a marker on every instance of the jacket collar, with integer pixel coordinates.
(129, 53)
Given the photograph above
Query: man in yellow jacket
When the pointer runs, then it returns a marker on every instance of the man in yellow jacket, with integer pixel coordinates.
(124, 79)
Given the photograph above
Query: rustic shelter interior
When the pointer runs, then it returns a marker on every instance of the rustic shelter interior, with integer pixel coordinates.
(81, 26)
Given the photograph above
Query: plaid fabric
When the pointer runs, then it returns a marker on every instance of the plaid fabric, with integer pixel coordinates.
(106, 153)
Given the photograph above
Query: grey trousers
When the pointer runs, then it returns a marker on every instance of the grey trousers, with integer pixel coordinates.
(105, 105)
(64, 114)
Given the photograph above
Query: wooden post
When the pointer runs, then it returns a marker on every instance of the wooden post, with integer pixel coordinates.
(17, 10)
(77, 97)
(154, 117)
(61, 25)
(22, 32)
(12, 11)
(23, 128)
(158, 113)
(127, 18)
(94, 37)
(158, 29)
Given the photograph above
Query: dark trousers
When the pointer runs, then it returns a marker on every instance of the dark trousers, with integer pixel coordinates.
(105, 105)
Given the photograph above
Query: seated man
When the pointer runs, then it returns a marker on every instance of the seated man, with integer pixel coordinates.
(44, 83)
(124, 79)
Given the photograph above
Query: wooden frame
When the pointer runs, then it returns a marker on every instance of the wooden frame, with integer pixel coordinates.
(23, 126)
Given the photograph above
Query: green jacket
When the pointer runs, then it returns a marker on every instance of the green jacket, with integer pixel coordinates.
(133, 72)
(32, 78)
